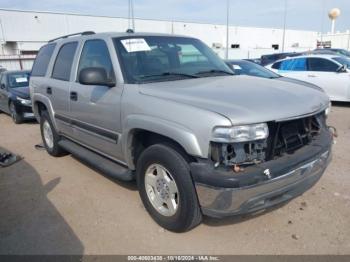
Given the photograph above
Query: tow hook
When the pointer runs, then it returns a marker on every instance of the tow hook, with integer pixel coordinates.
(334, 133)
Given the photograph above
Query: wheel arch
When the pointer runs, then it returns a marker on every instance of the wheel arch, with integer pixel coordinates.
(143, 131)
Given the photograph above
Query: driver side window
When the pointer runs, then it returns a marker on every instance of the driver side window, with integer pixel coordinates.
(322, 65)
(95, 54)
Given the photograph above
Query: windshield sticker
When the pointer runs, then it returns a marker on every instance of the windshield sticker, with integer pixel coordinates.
(21, 80)
(237, 67)
(135, 45)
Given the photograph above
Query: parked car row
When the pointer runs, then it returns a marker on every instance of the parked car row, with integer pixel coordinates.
(330, 72)
(199, 136)
(271, 58)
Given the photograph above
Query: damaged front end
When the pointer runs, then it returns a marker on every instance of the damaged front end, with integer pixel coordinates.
(249, 175)
(284, 138)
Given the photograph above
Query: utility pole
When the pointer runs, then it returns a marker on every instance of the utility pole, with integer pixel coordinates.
(227, 27)
(284, 25)
(131, 15)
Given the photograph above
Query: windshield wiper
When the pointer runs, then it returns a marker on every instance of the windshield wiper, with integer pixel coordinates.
(169, 74)
(215, 71)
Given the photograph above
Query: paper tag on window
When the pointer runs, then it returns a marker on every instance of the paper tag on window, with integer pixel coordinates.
(237, 67)
(135, 45)
(21, 80)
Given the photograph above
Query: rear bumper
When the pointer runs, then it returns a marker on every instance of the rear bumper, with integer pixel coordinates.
(224, 193)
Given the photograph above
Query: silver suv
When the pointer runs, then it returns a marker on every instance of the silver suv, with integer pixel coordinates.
(167, 111)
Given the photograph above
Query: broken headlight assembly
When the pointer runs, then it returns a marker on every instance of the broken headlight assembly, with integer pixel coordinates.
(244, 144)
(241, 133)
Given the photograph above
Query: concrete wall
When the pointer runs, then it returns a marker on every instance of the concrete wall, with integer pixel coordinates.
(25, 26)
(338, 40)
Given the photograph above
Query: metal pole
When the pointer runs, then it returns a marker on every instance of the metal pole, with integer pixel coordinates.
(284, 25)
(132, 15)
(227, 27)
(322, 21)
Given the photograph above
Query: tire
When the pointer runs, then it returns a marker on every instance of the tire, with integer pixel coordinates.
(187, 213)
(51, 145)
(16, 117)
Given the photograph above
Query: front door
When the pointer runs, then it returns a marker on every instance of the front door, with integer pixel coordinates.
(95, 109)
(323, 73)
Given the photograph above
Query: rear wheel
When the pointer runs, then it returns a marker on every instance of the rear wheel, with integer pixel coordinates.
(166, 188)
(16, 117)
(50, 136)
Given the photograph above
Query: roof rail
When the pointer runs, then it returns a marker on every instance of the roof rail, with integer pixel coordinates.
(80, 33)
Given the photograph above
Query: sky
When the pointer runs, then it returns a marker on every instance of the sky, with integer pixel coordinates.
(301, 14)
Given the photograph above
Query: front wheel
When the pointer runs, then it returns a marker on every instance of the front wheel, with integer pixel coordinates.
(166, 188)
(16, 117)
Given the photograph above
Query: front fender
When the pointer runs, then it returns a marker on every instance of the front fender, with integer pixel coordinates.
(174, 131)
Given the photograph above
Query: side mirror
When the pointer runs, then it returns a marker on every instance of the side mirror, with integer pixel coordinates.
(342, 69)
(95, 76)
(2, 86)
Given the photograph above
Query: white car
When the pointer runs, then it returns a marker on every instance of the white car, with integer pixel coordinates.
(330, 72)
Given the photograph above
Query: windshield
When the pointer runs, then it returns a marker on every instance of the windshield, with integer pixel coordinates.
(163, 58)
(343, 61)
(18, 79)
(251, 69)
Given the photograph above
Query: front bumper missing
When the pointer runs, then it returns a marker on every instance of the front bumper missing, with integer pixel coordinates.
(218, 200)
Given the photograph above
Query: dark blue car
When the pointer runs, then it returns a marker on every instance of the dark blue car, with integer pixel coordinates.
(14, 95)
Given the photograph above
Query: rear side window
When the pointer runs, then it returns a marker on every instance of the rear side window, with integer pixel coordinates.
(95, 54)
(322, 65)
(298, 64)
(64, 61)
(42, 60)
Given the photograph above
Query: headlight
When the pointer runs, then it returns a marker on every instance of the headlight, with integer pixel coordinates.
(328, 109)
(241, 133)
(24, 101)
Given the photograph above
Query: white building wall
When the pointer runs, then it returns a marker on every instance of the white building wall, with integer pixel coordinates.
(338, 40)
(29, 30)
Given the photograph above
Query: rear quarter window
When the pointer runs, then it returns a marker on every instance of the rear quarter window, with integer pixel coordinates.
(64, 61)
(42, 60)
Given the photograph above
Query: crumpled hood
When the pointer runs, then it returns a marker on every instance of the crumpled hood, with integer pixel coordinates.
(242, 99)
(22, 92)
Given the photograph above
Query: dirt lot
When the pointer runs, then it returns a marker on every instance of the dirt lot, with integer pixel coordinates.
(61, 206)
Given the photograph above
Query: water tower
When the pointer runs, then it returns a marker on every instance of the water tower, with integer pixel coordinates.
(333, 15)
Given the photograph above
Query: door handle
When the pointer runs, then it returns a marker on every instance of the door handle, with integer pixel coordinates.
(311, 75)
(49, 90)
(73, 96)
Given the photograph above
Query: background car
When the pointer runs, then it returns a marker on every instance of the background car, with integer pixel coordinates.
(332, 51)
(268, 59)
(14, 95)
(245, 67)
(330, 72)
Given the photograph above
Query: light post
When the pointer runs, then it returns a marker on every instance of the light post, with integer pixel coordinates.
(284, 25)
(227, 27)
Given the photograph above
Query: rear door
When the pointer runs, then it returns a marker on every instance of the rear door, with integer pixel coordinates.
(96, 109)
(323, 72)
(58, 85)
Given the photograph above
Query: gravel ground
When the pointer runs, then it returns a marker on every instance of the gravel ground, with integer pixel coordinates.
(61, 206)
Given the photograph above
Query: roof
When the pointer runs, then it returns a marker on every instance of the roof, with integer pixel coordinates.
(329, 56)
(116, 34)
